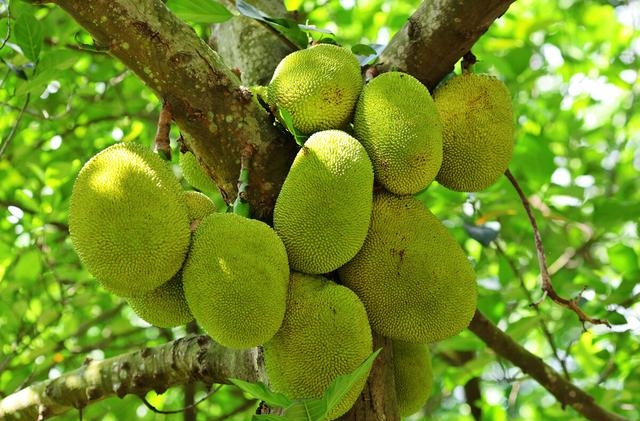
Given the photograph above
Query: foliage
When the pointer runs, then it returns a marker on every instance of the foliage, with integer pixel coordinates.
(571, 69)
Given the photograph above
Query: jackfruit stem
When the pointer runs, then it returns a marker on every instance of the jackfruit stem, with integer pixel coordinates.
(241, 205)
(468, 60)
(162, 143)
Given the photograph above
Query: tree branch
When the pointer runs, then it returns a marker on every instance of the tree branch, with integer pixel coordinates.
(189, 359)
(205, 97)
(547, 286)
(564, 391)
(437, 35)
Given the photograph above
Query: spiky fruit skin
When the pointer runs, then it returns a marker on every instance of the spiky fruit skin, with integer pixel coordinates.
(322, 212)
(127, 219)
(478, 131)
(318, 86)
(198, 206)
(325, 334)
(235, 280)
(195, 175)
(413, 376)
(165, 306)
(411, 274)
(398, 124)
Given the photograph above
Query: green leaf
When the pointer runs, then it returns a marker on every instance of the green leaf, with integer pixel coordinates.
(623, 259)
(339, 388)
(285, 118)
(307, 410)
(200, 11)
(290, 29)
(481, 233)
(27, 32)
(261, 391)
(363, 50)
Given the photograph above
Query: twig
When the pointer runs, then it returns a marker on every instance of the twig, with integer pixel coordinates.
(14, 129)
(178, 411)
(162, 143)
(547, 287)
(564, 391)
(241, 204)
(545, 330)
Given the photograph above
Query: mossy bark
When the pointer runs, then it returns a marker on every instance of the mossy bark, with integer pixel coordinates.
(205, 98)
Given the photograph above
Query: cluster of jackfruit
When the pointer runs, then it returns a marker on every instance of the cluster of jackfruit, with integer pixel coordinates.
(351, 251)
(170, 254)
(347, 212)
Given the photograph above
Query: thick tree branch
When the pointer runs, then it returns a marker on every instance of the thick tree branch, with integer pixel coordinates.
(564, 391)
(205, 97)
(189, 359)
(438, 34)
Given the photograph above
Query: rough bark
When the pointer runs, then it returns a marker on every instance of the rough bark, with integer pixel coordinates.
(186, 360)
(249, 46)
(564, 391)
(204, 96)
(377, 402)
(437, 35)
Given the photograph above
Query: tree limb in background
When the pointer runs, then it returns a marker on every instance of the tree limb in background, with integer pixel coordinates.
(204, 95)
(189, 359)
(564, 391)
(547, 286)
(437, 35)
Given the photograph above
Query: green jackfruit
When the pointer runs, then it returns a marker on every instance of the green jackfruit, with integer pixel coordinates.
(413, 376)
(398, 124)
(235, 280)
(127, 219)
(318, 86)
(478, 131)
(322, 212)
(411, 274)
(198, 206)
(165, 306)
(195, 175)
(325, 334)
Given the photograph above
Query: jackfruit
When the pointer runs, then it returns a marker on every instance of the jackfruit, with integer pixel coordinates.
(165, 306)
(412, 375)
(411, 274)
(325, 334)
(235, 280)
(127, 219)
(478, 131)
(195, 175)
(322, 212)
(398, 124)
(318, 86)
(198, 206)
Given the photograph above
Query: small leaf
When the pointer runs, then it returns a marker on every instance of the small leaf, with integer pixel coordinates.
(313, 28)
(363, 50)
(250, 11)
(481, 233)
(28, 34)
(200, 11)
(290, 29)
(307, 410)
(367, 53)
(287, 120)
(339, 388)
(261, 391)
